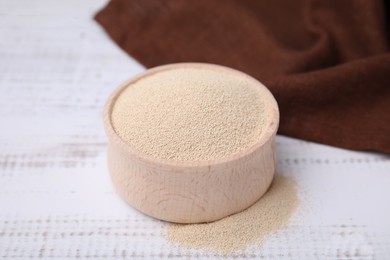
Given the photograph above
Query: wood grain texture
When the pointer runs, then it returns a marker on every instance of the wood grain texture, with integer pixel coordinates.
(193, 192)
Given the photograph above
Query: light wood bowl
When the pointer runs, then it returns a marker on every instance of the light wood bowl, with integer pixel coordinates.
(192, 192)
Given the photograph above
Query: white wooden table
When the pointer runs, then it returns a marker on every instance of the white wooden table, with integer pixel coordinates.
(57, 66)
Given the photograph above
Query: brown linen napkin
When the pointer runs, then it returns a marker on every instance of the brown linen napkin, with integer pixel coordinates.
(326, 62)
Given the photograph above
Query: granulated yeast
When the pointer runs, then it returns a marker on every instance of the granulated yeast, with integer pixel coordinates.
(250, 226)
(190, 114)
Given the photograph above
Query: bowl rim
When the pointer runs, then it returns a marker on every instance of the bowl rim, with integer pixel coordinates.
(269, 132)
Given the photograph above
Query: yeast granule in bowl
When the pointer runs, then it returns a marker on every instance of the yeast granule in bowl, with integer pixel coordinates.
(191, 142)
(190, 114)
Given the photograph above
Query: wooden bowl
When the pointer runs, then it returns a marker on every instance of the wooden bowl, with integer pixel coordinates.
(192, 192)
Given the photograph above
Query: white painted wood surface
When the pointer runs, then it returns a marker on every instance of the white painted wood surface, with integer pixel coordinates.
(57, 68)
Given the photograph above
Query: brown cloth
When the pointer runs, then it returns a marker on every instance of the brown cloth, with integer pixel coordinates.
(326, 62)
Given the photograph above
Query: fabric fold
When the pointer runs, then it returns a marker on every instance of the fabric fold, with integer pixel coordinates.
(326, 62)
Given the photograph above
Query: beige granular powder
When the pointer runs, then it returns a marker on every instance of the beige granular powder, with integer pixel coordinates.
(270, 213)
(190, 114)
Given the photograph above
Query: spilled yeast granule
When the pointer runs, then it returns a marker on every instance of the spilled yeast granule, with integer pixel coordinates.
(190, 114)
(268, 214)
